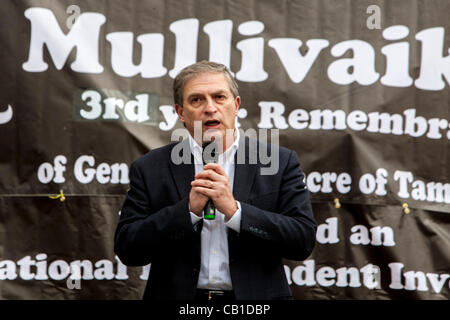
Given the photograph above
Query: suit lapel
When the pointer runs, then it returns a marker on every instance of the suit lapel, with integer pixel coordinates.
(244, 174)
(183, 173)
(244, 177)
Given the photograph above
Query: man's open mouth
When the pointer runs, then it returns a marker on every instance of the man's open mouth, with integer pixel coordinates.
(212, 123)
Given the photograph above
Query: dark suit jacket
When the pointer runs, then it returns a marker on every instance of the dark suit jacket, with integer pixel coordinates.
(155, 225)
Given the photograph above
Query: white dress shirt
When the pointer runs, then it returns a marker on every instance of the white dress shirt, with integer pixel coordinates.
(214, 265)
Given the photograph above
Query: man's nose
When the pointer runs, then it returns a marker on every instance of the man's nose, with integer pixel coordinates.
(210, 106)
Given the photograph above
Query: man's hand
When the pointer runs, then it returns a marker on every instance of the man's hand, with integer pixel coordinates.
(212, 183)
(197, 201)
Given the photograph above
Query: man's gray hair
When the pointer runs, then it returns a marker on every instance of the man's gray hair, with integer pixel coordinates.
(197, 68)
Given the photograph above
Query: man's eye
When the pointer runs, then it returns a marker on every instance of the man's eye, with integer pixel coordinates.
(220, 97)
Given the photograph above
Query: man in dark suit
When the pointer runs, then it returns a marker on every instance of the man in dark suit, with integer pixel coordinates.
(260, 218)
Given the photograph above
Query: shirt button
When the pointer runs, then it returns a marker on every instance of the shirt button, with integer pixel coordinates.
(214, 251)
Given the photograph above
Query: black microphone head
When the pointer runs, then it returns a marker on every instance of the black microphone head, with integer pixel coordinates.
(210, 153)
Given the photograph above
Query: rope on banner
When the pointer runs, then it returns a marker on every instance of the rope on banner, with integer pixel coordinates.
(406, 209)
(337, 204)
(60, 196)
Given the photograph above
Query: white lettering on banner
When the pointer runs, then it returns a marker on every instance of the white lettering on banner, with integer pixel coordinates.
(186, 34)
(219, 33)
(434, 66)
(369, 184)
(397, 58)
(41, 266)
(48, 172)
(104, 270)
(152, 45)
(84, 171)
(272, 116)
(41, 269)
(322, 182)
(132, 110)
(252, 53)
(25, 265)
(432, 191)
(362, 63)
(76, 268)
(296, 65)
(170, 117)
(341, 183)
(326, 276)
(7, 270)
(58, 270)
(272, 110)
(83, 35)
(85, 32)
(360, 235)
(305, 274)
(6, 116)
(415, 280)
(104, 173)
(145, 272)
(328, 232)
(92, 99)
(121, 270)
(421, 191)
(369, 276)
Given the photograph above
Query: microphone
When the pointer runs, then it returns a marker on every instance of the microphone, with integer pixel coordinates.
(209, 155)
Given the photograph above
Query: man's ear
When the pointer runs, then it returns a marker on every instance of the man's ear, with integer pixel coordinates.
(237, 104)
(179, 110)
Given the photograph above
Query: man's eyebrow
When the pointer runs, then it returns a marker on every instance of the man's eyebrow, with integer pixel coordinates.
(194, 94)
(220, 91)
(198, 94)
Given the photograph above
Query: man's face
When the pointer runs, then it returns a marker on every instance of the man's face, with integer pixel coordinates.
(207, 98)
